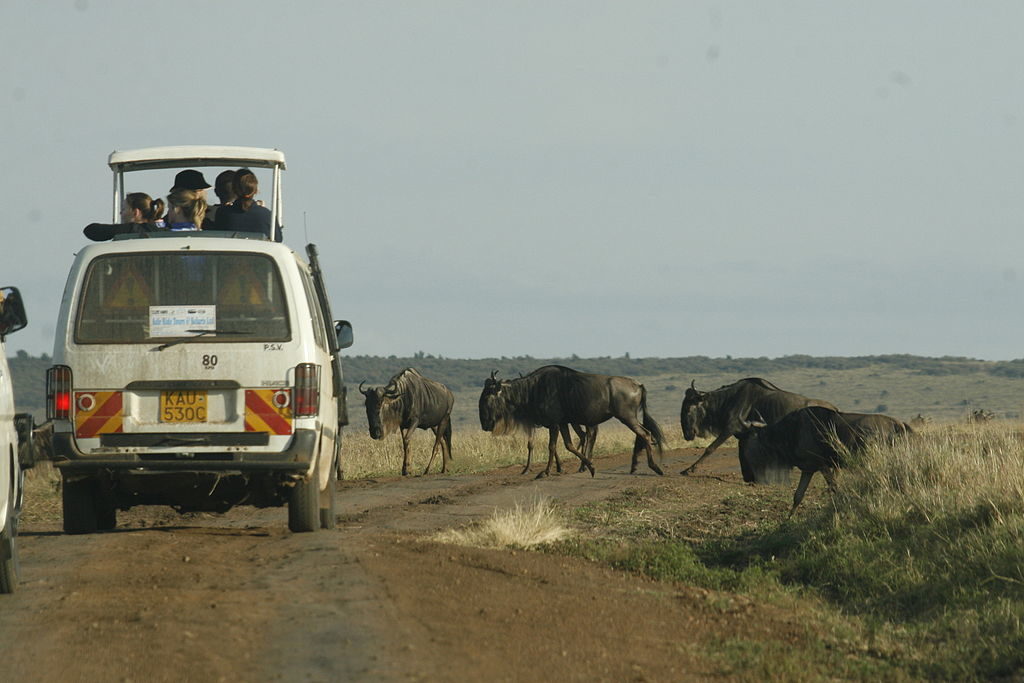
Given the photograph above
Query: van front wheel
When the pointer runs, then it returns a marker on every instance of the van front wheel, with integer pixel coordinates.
(304, 506)
(9, 570)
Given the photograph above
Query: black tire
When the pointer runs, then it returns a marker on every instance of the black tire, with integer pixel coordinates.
(328, 498)
(304, 505)
(79, 498)
(10, 570)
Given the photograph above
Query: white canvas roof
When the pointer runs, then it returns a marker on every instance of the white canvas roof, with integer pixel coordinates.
(194, 155)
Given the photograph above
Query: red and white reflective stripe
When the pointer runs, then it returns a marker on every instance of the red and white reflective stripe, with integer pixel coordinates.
(58, 393)
(307, 390)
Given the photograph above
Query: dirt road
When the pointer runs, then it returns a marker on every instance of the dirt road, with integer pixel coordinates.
(237, 597)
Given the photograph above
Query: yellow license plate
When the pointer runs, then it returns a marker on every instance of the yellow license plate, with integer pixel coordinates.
(183, 406)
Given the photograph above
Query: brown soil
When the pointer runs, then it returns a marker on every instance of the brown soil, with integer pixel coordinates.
(237, 597)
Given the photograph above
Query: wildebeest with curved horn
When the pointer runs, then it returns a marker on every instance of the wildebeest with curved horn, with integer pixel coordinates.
(813, 439)
(410, 400)
(722, 413)
(555, 397)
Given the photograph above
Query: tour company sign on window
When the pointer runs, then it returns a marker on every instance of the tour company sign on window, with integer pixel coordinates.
(181, 321)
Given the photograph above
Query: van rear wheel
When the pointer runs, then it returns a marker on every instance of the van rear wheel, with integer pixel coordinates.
(304, 505)
(79, 499)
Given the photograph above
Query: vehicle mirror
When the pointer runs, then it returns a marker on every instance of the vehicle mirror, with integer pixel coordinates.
(343, 329)
(12, 311)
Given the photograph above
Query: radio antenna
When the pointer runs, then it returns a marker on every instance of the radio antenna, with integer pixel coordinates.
(305, 229)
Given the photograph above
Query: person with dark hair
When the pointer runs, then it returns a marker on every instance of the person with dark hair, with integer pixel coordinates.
(223, 188)
(139, 213)
(245, 214)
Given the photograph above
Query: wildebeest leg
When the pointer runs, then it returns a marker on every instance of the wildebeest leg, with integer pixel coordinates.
(582, 445)
(801, 488)
(642, 441)
(529, 450)
(446, 446)
(719, 440)
(552, 455)
(433, 451)
(406, 435)
(587, 444)
(575, 451)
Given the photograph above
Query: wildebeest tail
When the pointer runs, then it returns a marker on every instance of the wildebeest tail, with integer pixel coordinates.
(649, 423)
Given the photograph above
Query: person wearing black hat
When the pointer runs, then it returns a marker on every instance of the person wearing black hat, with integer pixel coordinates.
(190, 179)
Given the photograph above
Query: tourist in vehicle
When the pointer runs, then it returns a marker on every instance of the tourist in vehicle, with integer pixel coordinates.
(191, 179)
(223, 187)
(139, 207)
(187, 210)
(139, 213)
(245, 214)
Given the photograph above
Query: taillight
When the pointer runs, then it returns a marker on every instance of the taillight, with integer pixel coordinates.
(58, 393)
(307, 390)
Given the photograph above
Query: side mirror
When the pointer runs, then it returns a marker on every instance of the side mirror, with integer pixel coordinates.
(343, 329)
(12, 311)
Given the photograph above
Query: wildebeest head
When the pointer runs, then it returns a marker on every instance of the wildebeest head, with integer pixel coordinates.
(382, 409)
(691, 416)
(495, 411)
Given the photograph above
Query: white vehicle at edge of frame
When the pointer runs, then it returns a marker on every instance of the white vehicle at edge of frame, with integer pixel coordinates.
(16, 452)
(199, 370)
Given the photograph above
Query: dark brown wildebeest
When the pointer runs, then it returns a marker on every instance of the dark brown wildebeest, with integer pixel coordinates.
(555, 397)
(722, 413)
(812, 439)
(410, 400)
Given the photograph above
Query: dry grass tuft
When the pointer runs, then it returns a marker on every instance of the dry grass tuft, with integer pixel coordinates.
(519, 527)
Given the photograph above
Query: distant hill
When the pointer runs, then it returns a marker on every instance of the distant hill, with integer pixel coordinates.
(945, 388)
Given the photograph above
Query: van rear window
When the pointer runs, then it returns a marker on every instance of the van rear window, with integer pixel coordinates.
(217, 296)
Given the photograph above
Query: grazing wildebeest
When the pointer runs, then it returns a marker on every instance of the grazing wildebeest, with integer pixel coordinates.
(721, 413)
(980, 416)
(555, 397)
(812, 439)
(410, 400)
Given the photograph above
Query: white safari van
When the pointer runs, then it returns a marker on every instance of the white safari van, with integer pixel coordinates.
(197, 370)
(12, 318)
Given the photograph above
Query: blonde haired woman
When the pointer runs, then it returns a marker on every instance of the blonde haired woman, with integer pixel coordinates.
(187, 208)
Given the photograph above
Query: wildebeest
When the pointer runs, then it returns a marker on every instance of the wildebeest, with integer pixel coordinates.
(812, 439)
(722, 413)
(555, 397)
(410, 400)
(981, 416)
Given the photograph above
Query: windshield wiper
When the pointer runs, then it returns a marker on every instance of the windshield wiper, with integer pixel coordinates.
(195, 334)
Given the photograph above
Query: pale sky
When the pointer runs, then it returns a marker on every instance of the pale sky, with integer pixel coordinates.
(548, 178)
